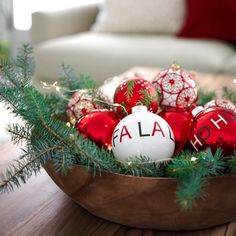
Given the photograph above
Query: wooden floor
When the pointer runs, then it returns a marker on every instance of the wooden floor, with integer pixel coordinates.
(41, 208)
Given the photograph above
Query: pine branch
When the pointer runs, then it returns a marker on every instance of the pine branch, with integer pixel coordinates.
(229, 94)
(181, 165)
(94, 157)
(71, 81)
(19, 133)
(9, 71)
(56, 104)
(231, 163)
(9, 97)
(212, 165)
(24, 169)
(204, 97)
(25, 62)
(143, 166)
(191, 188)
(192, 171)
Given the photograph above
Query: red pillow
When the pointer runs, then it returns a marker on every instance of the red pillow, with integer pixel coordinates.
(210, 19)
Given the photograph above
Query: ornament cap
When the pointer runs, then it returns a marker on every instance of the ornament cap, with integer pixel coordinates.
(175, 67)
(197, 110)
(140, 108)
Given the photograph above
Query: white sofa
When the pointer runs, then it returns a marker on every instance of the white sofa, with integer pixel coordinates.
(66, 36)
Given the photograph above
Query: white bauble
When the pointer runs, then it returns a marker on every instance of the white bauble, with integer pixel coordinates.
(177, 87)
(143, 133)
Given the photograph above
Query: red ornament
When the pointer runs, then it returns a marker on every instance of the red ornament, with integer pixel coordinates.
(180, 122)
(133, 92)
(177, 87)
(221, 103)
(214, 128)
(98, 126)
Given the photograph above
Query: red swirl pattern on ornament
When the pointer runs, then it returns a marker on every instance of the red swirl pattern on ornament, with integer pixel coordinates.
(172, 83)
(186, 98)
(177, 88)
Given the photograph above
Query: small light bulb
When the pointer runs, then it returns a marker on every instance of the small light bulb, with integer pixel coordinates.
(193, 158)
(57, 88)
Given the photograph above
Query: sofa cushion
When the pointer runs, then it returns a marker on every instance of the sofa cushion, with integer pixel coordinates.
(106, 55)
(210, 19)
(230, 66)
(138, 16)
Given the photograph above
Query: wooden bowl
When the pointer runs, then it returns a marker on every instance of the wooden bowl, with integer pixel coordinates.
(145, 202)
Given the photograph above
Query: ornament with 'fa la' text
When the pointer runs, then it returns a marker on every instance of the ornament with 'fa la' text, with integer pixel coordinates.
(143, 133)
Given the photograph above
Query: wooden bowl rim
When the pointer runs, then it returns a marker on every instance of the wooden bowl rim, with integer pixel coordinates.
(151, 178)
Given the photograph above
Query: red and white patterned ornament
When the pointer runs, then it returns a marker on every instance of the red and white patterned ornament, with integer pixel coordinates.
(80, 103)
(221, 103)
(133, 92)
(177, 87)
(84, 101)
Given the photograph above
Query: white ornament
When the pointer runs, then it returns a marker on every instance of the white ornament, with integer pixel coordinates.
(143, 133)
(177, 87)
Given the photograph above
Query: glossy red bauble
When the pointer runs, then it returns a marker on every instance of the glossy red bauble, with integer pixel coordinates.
(180, 122)
(214, 128)
(98, 126)
(133, 92)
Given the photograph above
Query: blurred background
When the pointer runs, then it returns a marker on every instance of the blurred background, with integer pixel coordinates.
(15, 26)
(15, 20)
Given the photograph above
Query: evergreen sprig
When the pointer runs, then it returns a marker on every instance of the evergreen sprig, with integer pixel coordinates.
(143, 166)
(229, 93)
(48, 137)
(231, 163)
(192, 170)
(205, 96)
(70, 80)
(19, 133)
